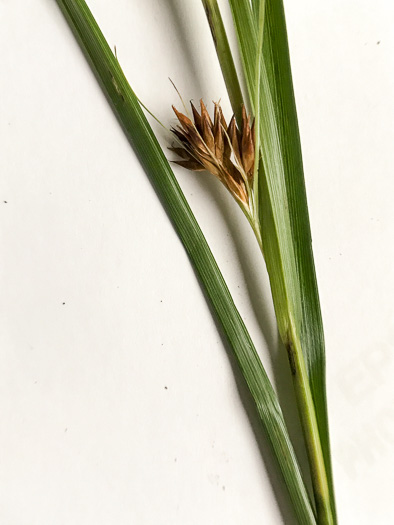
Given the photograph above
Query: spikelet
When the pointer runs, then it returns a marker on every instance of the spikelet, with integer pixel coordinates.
(225, 151)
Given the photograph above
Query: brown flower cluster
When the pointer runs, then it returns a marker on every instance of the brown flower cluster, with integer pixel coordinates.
(225, 151)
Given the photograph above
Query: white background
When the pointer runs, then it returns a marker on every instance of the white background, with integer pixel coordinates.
(119, 403)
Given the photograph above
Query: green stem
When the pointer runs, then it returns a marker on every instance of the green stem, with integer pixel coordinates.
(226, 60)
(257, 107)
(310, 427)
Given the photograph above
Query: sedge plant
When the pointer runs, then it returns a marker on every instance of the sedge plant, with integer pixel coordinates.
(277, 210)
(257, 157)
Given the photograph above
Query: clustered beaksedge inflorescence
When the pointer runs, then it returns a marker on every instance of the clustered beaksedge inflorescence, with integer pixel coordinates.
(228, 152)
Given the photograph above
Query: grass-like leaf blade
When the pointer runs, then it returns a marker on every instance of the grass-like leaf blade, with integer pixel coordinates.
(277, 60)
(285, 231)
(278, 247)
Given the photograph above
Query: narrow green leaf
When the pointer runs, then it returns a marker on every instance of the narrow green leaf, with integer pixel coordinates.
(137, 129)
(278, 248)
(285, 229)
(276, 57)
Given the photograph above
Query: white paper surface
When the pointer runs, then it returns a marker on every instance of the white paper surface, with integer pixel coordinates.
(119, 403)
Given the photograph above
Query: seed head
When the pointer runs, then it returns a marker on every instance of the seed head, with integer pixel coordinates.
(225, 151)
